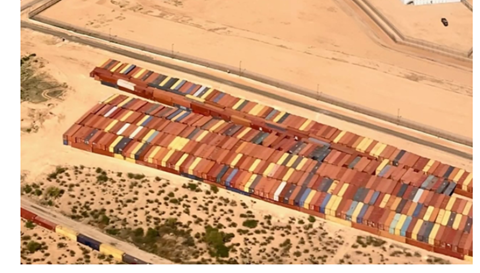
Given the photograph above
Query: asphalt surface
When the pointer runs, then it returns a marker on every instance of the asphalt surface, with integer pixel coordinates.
(91, 232)
(134, 55)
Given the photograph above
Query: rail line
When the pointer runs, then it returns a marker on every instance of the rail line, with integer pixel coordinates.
(151, 60)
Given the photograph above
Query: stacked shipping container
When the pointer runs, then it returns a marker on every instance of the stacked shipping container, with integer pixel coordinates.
(80, 238)
(327, 180)
(369, 155)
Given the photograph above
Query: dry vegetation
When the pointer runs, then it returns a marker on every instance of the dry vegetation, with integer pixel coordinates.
(198, 223)
(42, 246)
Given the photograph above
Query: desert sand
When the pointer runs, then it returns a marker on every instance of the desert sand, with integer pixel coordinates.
(307, 43)
(254, 231)
(424, 22)
(50, 248)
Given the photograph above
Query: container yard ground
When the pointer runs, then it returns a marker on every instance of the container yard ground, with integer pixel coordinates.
(126, 200)
(425, 91)
(423, 22)
(60, 249)
(40, 152)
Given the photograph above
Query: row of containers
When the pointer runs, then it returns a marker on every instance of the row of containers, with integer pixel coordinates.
(208, 101)
(307, 175)
(66, 232)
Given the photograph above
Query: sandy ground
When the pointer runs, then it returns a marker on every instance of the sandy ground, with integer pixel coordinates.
(280, 236)
(423, 22)
(56, 249)
(343, 60)
(42, 151)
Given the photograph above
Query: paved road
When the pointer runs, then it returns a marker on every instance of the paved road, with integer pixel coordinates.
(134, 55)
(91, 232)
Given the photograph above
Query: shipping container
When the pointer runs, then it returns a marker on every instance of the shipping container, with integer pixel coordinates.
(85, 240)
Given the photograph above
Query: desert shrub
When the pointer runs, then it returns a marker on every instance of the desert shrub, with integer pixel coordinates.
(250, 223)
(311, 219)
(214, 188)
(33, 246)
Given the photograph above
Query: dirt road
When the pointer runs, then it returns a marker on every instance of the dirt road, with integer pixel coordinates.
(91, 232)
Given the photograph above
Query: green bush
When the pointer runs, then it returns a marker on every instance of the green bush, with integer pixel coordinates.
(311, 219)
(214, 188)
(250, 223)
(33, 246)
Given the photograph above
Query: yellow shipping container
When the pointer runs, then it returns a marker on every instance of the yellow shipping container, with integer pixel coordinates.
(375, 148)
(113, 251)
(127, 115)
(180, 162)
(334, 208)
(343, 189)
(176, 84)
(257, 108)
(385, 200)
(269, 169)
(366, 144)
(399, 225)
(457, 220)
(279, 116)
(110, 126)
(115, 67)
(245, 131)
(66, 232)
(356, 212)
(201, 136)
(380, 149)
(114, 143)
(135, 150)
(416, 229)
(428, 166)
(288, 174)
(139, 73)
(301, 164)
(446, 217)
(236, 159)
(125, 68)
(309, 198)
(305, 124)
(381, 166)
(428, 213)
(165, 81)
(333, 186)
(338, 221)
(280, 161)
(152, 154)
(337, 139)
(468, 258)
(441, 214)
(194, 165)
(218, 124)
(238, 104)
(331, 202)
(433, 234)
(467, 208)
(254, 165)
(183, 142)
(396, 202)
(195, 98)
(167, 156)
(450, 203)
(174, 118)
(148, 135)
(249, 182)
(110, 98)
(291, 161)
(119, 156)
(359, 145)
(467, 181)
(125, 101)
(104, 63)
(143, 120)
(458, 175)
(207, 93)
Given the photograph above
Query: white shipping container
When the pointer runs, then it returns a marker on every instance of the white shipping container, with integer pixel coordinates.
(111, 111)
(123, 129)
(136, 132)
(125, 84)
(199, 91)
(279, 190)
